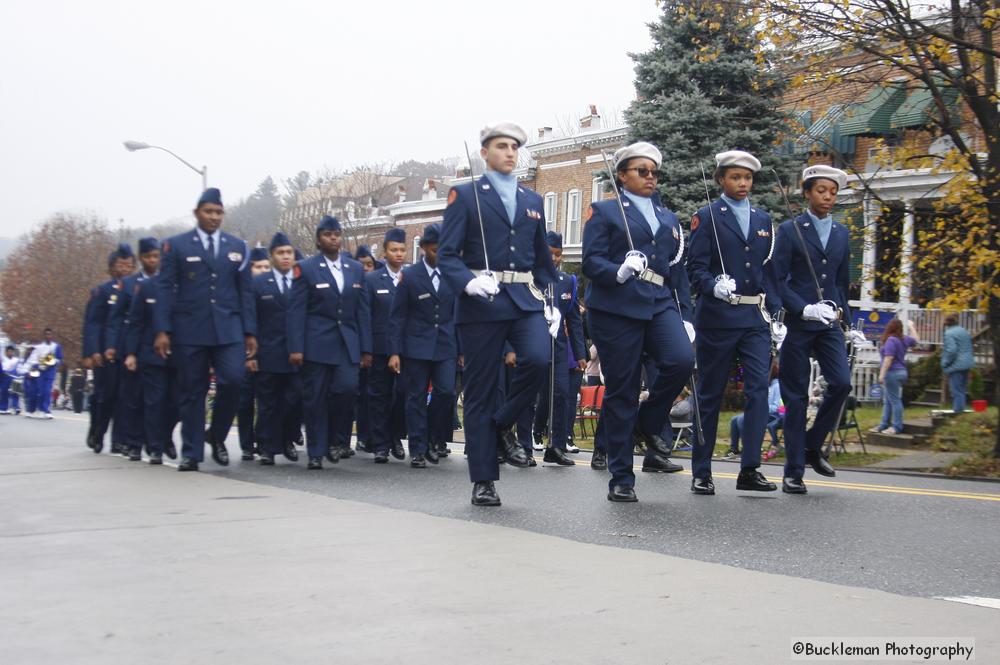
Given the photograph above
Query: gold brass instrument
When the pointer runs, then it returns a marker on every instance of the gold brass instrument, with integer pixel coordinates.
(50, 360)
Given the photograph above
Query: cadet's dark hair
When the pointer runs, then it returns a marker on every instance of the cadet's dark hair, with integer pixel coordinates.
(808, 184)
(720, 172)
(11, 347)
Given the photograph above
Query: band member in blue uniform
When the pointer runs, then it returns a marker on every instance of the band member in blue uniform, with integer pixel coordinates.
(247, 411)
(730, 269)
(129, 401)
(10, 401)
(96, 341)
(329, 337)
(50, 359)
(276, 381)
(159, 378)
(634, 273)
(204, 316)
(570, 354)
(423, 345)
(493, 253)
(812, 259)
(386, 396)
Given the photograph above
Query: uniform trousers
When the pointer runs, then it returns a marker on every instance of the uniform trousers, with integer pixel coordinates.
(193, 364)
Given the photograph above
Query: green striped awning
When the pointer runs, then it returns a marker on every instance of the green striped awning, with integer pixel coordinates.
(919, 109)
(872, 117)
(825, 134)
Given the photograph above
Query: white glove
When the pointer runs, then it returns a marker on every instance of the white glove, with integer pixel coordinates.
(632, 265)
(483, 286)
(725, 286)
(689, 329)
(857, 338)
(778, 333)
(554, 318)
(819, 311)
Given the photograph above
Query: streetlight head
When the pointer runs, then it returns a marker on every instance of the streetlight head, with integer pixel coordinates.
(132, 146)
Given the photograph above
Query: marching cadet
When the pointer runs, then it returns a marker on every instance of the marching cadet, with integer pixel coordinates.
(129, 403)
(631, 248)
(277, 381)
(204, 317)
(259, 265)
(363, 255)
(386, 398)
(329, 337)
(812, 259)
(730, 269)
(493, 253)
(95, 342)
(50, 359)
(570, 354)
(159, 409)
(422, 343)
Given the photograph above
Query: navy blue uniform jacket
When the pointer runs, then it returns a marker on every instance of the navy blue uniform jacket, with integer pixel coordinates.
(272, 324)
(205, 301)
(422, 321)
(604, 247)
(139, 332)
(380, 291)
(519, 246)
(748, 262)
(102, 299)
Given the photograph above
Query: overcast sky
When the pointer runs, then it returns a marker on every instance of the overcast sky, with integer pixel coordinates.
(257, 88)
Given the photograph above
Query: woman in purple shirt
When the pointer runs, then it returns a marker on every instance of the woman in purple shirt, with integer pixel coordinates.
(892, 374)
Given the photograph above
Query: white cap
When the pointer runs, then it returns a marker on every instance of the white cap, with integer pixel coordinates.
(640, 149)
(737, 158)
(507, 129)
(824, 171)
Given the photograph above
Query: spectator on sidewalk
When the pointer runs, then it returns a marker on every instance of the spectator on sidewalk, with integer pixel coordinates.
(956, 361)
(775, 417)
(893, 374)
(593, 370)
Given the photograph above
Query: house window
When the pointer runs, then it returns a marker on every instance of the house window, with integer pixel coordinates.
(416, 249)
(551, 210)
(597, 190)
(574, 203)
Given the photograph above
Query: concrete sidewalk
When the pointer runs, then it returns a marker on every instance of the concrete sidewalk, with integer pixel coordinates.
(106, 561)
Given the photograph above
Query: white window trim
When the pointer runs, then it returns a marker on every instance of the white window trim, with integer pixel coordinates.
(551, 223)
(574, 215)
(416, 249)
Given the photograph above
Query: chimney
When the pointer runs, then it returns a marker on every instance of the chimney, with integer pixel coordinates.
(544, 133)
(592, 121)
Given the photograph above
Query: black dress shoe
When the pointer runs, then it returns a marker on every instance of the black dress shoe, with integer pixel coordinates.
(754, 481)
(345, 452)
(93, 442)
(333, 454)
(599, 460)
(653, 442)
(382, 457)
(362, 446)
(115, 449)
(443, 450)
(622, 494)
(531, 460)
(655, 463)
(557, 456)
(703, 486)
(247, 456)
(819, 464)
(485, 494)
(187, 464)
(170, 450)
(266, 458)
(155, 458)
(315, 464)
(219, 452)
(418, 462)
(135, 454)
(511, 450)
(397, 450)
(431, 455)
(290, 453)
(793, 486)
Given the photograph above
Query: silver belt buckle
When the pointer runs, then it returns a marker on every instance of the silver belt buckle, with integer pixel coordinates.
(652, 277)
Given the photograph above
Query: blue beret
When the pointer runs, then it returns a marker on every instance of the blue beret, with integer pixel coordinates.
(279, 240)
(362, 252)
(395, 234)
(299, 255)
(148, 245)
(554, 239)
(123, 251)
(210, 195)
(258, 254)
(432, 234)
(328, 223)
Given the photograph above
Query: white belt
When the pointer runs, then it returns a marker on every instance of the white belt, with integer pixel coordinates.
(648, 275)
(509, 276)
(745, 300)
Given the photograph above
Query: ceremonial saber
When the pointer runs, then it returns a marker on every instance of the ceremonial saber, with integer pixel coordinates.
(693, 384)
(621, 207)
(550, 292)
(805, 250)
(711, 214)
(479, 214)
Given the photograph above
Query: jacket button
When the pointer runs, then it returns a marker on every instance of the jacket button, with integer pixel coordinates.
(824, 261)
(746, 249)
(512, 248)
(435, 325)
(511, 266)
(823, 276)
(212, 300)
(653, 257)
(748, 266)
(654, 243)
(213, 275)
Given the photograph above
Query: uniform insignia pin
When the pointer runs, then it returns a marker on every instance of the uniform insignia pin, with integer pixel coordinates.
(486, 187)
(723, 208)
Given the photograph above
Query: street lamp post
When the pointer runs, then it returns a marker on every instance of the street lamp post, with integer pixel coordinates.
(132, 146)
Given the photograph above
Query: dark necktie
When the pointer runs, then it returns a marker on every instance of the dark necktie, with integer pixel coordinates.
(211, 247)
(285, 290)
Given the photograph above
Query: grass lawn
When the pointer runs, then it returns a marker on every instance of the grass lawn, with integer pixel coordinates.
(975, 434)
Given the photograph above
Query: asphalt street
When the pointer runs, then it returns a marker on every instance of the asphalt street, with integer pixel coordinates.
(926, 537)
